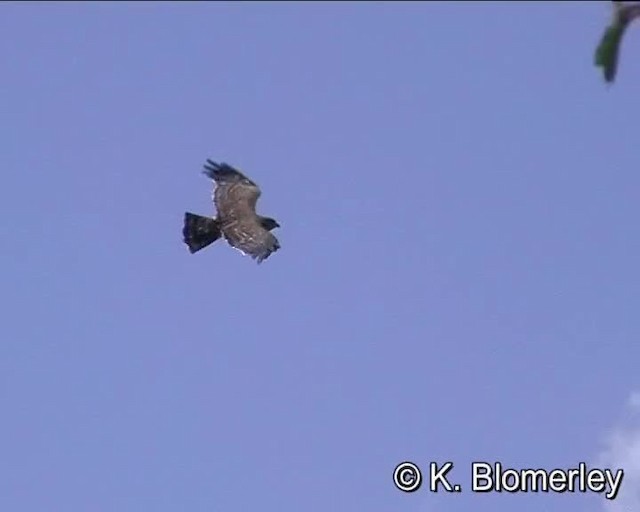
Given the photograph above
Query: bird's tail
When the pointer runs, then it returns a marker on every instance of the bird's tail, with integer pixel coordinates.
(199, 232)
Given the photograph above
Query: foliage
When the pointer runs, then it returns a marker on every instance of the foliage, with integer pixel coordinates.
(608, 50)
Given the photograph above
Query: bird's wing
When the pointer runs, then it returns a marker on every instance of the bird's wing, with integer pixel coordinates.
(235, 195)
(235, 200)
(249, 237)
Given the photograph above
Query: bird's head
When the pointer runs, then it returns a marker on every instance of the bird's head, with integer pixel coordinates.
(268, 223)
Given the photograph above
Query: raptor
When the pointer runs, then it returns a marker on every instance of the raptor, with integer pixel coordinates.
(235, 197)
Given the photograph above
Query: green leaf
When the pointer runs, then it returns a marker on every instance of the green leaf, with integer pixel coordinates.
(606, 56)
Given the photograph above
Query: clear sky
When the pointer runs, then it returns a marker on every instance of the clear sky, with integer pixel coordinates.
(458, 279)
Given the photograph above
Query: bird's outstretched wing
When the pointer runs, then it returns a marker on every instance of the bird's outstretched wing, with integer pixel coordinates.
(249, 237)
(235, 195)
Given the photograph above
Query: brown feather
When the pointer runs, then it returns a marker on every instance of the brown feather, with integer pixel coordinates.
(235, 197)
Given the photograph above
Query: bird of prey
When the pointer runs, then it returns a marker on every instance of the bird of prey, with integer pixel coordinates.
(608, 50)
(235, 197)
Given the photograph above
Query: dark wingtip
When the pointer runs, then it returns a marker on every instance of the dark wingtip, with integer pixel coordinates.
(263, 256)
(211, 168)
(219, 171)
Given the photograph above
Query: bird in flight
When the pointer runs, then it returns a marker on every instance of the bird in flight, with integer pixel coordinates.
(235, 197)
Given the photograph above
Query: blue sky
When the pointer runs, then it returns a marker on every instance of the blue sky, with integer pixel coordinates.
(458, 279)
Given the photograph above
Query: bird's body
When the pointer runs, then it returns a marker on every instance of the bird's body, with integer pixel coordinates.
(235, 197)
